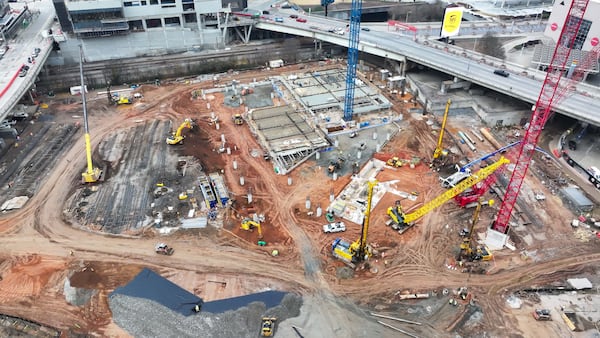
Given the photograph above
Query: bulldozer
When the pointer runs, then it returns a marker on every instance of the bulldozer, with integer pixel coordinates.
(237, 119)
(395, 162)
(177, 137)
(124, 100)
(163, 249)
(268, 326)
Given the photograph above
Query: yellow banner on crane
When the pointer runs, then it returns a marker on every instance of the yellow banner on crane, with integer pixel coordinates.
(451, 22)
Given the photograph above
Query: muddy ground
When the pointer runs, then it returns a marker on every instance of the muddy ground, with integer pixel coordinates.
(46, 242)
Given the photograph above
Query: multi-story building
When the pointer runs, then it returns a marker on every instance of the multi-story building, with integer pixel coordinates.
(95, 18)
(10, 21)
(589, 32)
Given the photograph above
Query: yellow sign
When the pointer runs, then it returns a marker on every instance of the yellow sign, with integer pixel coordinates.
(452, 20)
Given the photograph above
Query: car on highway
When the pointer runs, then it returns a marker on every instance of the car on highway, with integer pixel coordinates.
(334, 227)
(36, 52)
(366, 29)
(501, 72)
(278, 19)
(23, 70)
(294, 16)
(301, 19)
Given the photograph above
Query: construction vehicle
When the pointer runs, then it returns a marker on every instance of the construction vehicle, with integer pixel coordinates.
(163, 249)
(92, 174)
(404, 221)
(336, 165)
(439, 151)
(359, 250)
(395, 162)
(467, 250)
(268, 326)
(249, 225)
(237, 119)
(177, 137)
(124, 100)
(542, 314)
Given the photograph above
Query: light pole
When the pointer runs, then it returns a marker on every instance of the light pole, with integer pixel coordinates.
(407, 13)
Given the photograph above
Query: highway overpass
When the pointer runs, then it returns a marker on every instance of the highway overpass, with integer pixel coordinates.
(476, 68)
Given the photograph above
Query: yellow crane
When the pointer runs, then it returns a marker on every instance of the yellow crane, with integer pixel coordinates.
(439, 151)
(404, 221)
(358, 250)
(92, 174)
(177, 137)
(467, 250)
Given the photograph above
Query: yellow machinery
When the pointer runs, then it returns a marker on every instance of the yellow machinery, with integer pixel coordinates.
(250, 225)
(268, 324)
(124, 100)
(237, 119)
(357, 251)
(92, 174)
(395, 162)
(467, 250)
(405, 221)
(177, 137)
(438, 152)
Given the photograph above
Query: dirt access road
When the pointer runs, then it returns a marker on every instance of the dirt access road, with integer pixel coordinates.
(37, 241)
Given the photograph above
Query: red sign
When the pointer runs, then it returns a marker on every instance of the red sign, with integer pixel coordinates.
(554, 26)
(401, 25)
(594, 41)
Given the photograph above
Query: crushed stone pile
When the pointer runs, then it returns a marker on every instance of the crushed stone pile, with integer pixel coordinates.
(145, 318)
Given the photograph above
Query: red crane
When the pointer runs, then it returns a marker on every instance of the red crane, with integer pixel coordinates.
(552, 92)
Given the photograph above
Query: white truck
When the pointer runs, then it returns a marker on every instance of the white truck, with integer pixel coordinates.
(334, 227)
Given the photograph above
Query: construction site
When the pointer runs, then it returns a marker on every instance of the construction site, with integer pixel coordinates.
(255, 203)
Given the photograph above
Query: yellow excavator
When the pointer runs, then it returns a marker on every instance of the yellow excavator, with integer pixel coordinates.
(177, 137)
(439, 151)
(467, 250)
(357, 251)
(402, 222)
(249, 225)
(92, 174)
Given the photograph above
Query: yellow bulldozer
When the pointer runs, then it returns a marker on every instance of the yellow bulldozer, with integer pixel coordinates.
(237, 119)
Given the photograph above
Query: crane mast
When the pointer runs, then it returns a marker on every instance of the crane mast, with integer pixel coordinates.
(549, 96)
(438, 150)
(355, 14)
(362, 248)
(92, 174)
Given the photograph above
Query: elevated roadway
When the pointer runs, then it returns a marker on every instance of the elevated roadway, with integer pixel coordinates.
(524, 85)
(12, 86)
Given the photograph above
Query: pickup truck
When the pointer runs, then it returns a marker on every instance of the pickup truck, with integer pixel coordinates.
(334, 227)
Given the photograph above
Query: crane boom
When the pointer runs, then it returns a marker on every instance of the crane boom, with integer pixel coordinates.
(473, 179)
(550, 95)
(438, 150)
(92, 174)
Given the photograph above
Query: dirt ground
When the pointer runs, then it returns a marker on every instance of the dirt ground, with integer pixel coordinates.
(41, 249)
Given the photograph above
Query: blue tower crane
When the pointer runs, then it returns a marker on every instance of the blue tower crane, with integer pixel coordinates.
(352, 57)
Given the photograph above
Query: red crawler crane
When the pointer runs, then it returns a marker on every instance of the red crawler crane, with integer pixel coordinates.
(552, 92)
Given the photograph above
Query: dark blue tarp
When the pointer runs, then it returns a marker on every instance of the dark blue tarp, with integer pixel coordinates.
(150, 285)
(270, 298)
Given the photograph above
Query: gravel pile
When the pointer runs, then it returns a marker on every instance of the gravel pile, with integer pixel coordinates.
(145, 318)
